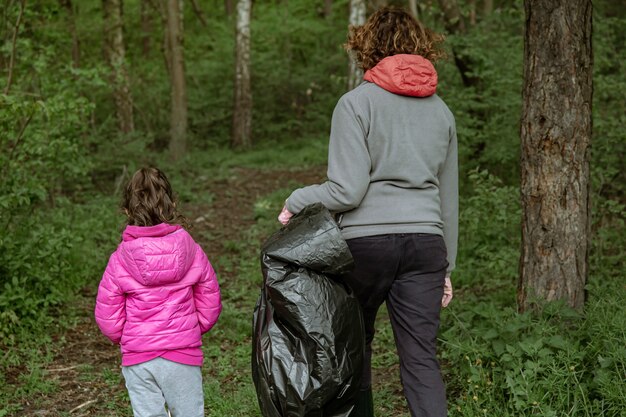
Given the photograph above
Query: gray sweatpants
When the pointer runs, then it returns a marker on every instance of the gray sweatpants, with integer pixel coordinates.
(153, 384)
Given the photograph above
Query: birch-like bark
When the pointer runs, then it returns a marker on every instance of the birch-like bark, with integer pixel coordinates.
(242, 106)
(115, 52)
(178, 111)
(555, 140)
(357, 18)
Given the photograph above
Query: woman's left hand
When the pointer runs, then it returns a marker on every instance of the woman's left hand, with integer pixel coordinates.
(447, 292)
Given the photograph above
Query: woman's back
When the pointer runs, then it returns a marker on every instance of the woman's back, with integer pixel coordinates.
(407, 140)
(392, 163)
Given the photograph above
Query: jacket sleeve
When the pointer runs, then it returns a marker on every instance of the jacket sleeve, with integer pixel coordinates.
(449, 194)
(207, 296)
(111, 302)
(349, 163)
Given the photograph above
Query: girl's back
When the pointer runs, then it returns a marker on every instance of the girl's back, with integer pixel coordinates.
(158, 268)
(158, 295)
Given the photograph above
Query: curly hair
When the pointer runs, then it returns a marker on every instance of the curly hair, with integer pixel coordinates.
(392, 31)
(148, 200)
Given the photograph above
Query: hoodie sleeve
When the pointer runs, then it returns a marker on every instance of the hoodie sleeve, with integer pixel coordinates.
(449, 194)
(207, 295)
(349, 162)
(111, 302)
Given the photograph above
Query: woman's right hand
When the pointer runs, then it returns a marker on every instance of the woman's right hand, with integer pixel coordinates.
(285, 215)
(447, 292)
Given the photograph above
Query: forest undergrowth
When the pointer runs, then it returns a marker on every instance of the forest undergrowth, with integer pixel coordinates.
(494, 360)
(77, 371)
(63, 163)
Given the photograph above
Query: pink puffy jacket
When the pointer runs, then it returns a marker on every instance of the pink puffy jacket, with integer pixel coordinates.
(158, 293)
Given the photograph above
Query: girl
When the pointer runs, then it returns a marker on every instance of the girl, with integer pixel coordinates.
(392, 179)
(158, 295)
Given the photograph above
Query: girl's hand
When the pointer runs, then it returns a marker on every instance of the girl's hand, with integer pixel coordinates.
(285, 215)
(447, 292)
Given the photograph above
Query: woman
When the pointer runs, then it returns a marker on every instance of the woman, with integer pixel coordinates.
(392, 180)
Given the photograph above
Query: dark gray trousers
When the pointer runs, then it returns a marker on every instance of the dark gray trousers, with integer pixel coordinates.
(407, 271)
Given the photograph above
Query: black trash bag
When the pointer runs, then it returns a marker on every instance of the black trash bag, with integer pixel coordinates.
(308, 340)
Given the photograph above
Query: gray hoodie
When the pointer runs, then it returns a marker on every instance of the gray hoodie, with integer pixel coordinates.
(392, 160)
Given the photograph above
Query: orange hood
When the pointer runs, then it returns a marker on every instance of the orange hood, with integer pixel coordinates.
(407, 75)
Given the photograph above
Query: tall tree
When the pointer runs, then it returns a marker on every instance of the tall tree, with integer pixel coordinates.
(176, 64)
(487, 7)
(471, 4)
(555, 137)
(199, 13)
(229, 7)
(71, 24)
(328, 8)
(377, 4)
(357, 18)
(146, 23)
(455, 24)
(16, 30)
(452, 16)
(115, 52)
(242, 106)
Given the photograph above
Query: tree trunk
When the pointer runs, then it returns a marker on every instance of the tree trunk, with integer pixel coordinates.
(455, 24)
(555, 138)
(242, 107)
(16, 30)
(198, 11)
(472, 11)
(487, 7)
(377, 4)
(71, 24)
(413, 8)
(357, 18)
(178, 114)
(229, 7)
(452, 17)
(145, 12)
(328, 8)
(115, 53)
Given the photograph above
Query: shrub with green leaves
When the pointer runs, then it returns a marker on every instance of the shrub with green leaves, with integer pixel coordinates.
(489, 234)
(499, 362)
(511, 364)
(45, 145)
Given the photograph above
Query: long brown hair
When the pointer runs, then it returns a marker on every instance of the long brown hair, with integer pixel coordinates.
(148, 200)
(392, 31)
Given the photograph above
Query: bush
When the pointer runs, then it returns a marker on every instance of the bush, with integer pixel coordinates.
(488, 111)
(509, 364)
(44, 138)
(489, 234)
(499, 362)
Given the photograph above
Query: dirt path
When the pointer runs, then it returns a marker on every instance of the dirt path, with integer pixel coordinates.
(232, 209)
(85, 368)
